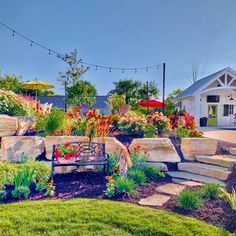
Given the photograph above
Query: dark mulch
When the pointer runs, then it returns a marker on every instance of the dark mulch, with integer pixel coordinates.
(217, 212)
(92, 185)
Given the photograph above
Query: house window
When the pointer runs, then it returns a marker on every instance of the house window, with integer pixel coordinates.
(213, 98)
(228, 109)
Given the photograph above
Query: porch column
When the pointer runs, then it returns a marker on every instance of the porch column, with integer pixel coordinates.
(197, 108)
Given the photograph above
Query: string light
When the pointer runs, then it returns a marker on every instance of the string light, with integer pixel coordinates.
(62, 57)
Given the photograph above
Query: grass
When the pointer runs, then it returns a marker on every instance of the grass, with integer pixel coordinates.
(96, 217)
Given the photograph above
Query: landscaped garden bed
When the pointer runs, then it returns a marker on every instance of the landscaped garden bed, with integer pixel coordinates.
(150, 144)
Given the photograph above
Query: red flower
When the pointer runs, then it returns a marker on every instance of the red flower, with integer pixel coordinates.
(67, 156)
(67, 145)
(57, 153)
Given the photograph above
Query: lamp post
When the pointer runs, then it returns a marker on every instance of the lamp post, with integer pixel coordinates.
(163, 86)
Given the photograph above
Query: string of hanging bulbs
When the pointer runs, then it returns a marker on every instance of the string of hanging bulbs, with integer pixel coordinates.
(83, 63)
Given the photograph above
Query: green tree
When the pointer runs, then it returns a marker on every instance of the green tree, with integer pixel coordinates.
(82, 92)
(115, 101)
(135, 90)
(170, 101)
(11, 83)
(147, 91)
(74, 71)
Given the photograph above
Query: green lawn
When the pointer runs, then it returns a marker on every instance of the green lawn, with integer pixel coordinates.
(95, 217)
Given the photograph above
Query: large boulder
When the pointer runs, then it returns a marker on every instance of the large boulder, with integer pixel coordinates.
(8, 125)
(15, 148)
(191, 147)
(25, 123)
(159, 149)
(113, 145)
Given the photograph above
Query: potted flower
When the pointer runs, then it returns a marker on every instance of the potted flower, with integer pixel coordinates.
(66, 153)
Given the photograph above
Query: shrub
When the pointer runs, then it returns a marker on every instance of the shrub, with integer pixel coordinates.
(54, 121)
(189, 200)
(3, 194)
(138, 176)
(153, 173)
(210, 190)
(185, 133)
(138, 157)
(113, 160)
(110, 190)
(159, 121)
(13, 105)
(132, 123)
(21, 191)
(125, 186)
(231, 198)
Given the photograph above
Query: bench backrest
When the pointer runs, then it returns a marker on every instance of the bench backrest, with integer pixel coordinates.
(85, 150)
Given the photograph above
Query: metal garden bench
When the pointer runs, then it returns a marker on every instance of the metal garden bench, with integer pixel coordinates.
(88, 154)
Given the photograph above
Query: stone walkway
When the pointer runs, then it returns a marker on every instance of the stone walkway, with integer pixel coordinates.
(165, 191)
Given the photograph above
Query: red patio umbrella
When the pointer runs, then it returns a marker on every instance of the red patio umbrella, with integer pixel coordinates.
(151, 103)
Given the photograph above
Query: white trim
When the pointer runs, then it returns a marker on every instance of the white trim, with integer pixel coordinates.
(220, 82)
(218, 88)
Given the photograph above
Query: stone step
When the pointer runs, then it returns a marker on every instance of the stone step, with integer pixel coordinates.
(194, 177)
(213, 171)
(232, 151)
(219, 160)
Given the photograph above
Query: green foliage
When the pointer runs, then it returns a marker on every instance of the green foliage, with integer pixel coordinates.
(150, 131)
(21, 192)
(153, 173)
(11, 83)
(97, 217)
(13, 173)
(125, 186)
(115, 101)
(113, 160)
(54, 121)
(74, 71)
(210, 190)
(135, 90)
(171, 106)
(230, 197)
(189, 200)
(3, 194)
(9, 107)
(138, 158)
(110, 190)
(82, 92)
(185, 133)
(138, 176)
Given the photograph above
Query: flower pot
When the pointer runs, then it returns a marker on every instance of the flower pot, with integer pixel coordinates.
(65, 161)
(124, 109)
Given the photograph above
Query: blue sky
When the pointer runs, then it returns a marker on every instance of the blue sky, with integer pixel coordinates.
(124, 33)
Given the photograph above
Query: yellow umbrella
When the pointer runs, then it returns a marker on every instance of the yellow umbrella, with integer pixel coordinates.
(37, 85)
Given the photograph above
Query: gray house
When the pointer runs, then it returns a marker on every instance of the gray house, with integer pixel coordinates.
(59, 102)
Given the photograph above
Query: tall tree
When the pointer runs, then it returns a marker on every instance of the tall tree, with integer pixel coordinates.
(135, 90)
(74, 71)
(82, 92)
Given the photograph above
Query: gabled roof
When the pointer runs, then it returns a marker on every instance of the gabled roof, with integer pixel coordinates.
(59, 101)
(202, 83)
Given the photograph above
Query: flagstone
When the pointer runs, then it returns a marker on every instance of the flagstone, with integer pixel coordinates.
(154, 200)
(172, 189)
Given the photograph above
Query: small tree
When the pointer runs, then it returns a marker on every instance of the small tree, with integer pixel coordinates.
(170, 101)
(115, 101)
(74, 71)
(82, 92)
